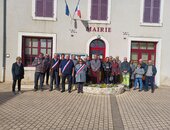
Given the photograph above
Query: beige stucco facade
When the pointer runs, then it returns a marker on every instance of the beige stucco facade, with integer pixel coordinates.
(124, 21)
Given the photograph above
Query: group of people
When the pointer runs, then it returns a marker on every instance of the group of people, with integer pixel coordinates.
(85, 71)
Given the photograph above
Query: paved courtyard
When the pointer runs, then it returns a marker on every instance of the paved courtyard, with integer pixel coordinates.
(145, 110)
(54, 111)
(46, 110)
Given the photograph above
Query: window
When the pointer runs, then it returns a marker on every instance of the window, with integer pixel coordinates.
(144, 50)
(32, 46)
(152, 12)
(44, 9)
(100, 11)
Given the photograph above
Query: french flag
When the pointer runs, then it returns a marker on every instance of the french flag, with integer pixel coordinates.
(67, 12)
(77, 11)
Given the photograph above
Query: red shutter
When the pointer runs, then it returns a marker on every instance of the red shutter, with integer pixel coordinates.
(104, 10)
(49, 10)
(147, 11)
(94, 9)
(156, 11)
(39, 8)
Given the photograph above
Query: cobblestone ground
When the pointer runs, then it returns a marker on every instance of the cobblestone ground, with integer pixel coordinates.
(54, 111)
(144, 110)
(46, 110)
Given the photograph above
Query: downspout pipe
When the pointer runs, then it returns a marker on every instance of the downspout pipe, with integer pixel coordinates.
(4, 42)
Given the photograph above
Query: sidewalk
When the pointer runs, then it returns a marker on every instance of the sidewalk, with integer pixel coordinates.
(145, 110)
(54, 110)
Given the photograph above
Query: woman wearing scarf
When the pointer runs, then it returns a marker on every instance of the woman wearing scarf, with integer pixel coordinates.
(80, 69)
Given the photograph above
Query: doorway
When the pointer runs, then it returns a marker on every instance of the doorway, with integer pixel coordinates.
(98, 47)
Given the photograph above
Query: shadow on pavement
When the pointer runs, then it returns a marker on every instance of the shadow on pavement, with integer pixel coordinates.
(5, 96)
(116, 117)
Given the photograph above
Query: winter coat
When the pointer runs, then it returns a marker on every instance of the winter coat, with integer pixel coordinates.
(95, 65)
(115, 68)
(39, 67)
(125, 67)
(154, 70)
(47, 64)
(17, 71)
(81, 76)
(132, 69)
(107, 66)
(139, 72)
(56, 68)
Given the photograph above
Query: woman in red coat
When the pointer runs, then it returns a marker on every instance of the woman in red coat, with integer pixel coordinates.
(115, 71)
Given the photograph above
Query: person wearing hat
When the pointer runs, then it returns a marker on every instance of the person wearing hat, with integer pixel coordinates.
(17, 74)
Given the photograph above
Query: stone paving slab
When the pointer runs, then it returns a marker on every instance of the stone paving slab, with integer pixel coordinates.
(145, 110)
(54, 111)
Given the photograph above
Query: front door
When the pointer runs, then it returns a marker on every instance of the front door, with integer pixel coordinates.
(98, 47)
(143, 50)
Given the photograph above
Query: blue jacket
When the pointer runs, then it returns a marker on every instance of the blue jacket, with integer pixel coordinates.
(139, 72)
(69, 68)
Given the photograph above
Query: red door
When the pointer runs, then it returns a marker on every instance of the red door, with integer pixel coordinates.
(143, 50)
(97, 46)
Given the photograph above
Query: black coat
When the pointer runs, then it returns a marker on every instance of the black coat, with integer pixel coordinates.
(17, 71)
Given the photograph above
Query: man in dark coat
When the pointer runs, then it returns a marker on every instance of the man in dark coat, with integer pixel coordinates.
(150, 72)
(17, 73)
(54, 72)
(47, 68)
(66, 70)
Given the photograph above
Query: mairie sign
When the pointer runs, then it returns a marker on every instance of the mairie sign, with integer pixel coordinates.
(98, 29)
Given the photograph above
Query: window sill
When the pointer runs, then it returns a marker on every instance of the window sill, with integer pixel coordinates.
(152, 24)
(45, 18)
(99, 22)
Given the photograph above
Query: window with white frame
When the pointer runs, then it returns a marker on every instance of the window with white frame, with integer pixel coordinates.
(44, 9)
(32, 46)
(152, 11)
(100, 10)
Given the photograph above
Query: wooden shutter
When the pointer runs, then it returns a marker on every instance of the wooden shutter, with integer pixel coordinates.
(104, 10)
(39, 8)
(147, 11)
(49, 8)
(151, 11)
(156, 11)
(94, 9)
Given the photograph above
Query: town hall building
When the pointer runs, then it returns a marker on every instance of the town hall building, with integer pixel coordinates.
(131, 28)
